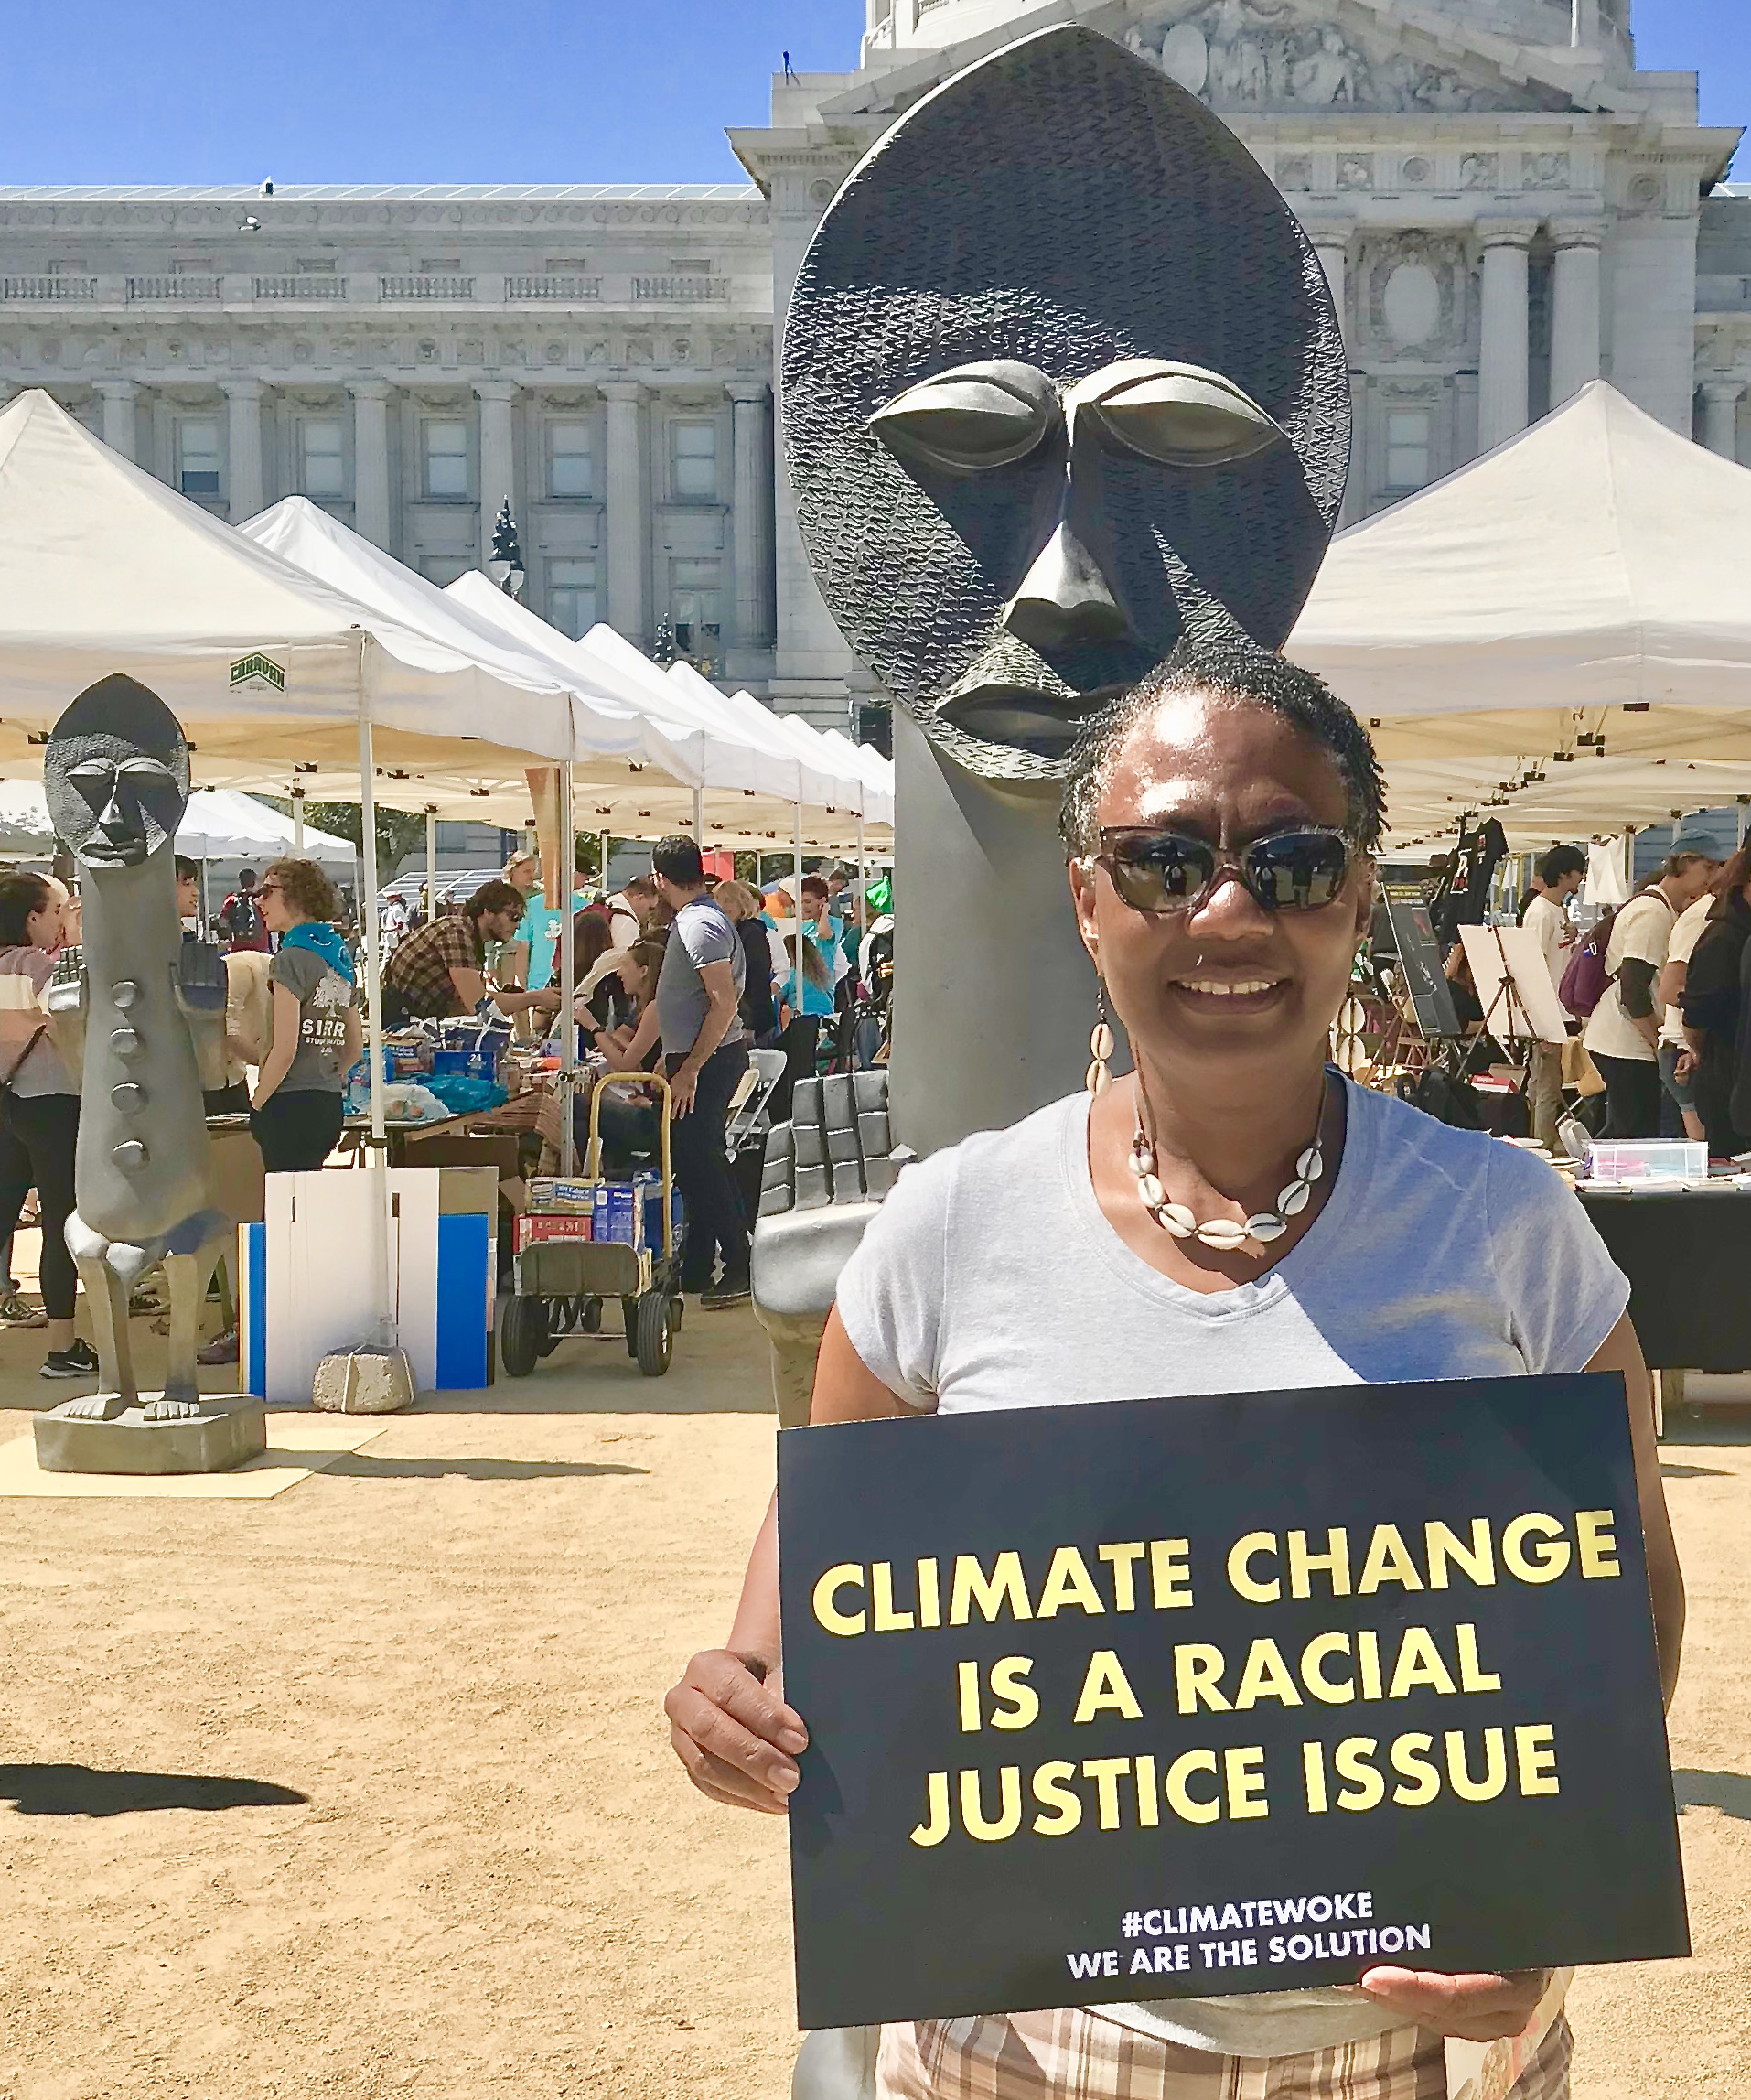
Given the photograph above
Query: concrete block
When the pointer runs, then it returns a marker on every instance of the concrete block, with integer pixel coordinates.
(363, 1381)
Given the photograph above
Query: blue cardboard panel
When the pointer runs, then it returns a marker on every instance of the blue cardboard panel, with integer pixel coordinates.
(465, 1252)
(253, 1307)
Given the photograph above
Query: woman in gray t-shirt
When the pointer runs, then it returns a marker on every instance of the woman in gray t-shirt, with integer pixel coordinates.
(296, 1105)
(1233, 1215)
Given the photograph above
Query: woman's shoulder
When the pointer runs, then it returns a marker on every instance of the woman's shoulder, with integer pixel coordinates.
(1471, 1162)
(1001, 1163)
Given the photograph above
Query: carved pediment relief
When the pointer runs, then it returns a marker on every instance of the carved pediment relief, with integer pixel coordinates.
(1240, 55)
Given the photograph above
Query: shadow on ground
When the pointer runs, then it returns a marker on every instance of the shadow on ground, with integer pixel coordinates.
(77, 1790)
(364, 1467)
(1694, 1473)
(1730, 1792)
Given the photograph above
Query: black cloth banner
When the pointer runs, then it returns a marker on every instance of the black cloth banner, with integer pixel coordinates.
(1194, 1698)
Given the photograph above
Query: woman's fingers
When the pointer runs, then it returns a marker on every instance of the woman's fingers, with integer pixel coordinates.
(736, 1737)
(1477, 2006)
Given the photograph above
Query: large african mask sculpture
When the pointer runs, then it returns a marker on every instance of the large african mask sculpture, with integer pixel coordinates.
(1062, 380)
(115, 773)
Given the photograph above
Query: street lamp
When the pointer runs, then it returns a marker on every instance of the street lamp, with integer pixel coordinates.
(505, 564)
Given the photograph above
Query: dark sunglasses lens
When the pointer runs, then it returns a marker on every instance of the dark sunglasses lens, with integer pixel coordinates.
(1162, 873)
(1297, 870)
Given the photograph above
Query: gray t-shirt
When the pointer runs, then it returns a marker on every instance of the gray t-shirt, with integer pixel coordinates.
(702, 932)
(319, 1064)
(991, 1278)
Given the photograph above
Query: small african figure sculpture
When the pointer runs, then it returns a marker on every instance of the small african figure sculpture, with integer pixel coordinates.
(116, 775)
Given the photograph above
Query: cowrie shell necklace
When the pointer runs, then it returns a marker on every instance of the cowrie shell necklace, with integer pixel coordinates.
(1227, 1234)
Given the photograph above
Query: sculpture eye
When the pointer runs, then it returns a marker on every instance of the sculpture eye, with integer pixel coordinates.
(971, 418)
(1183, 416)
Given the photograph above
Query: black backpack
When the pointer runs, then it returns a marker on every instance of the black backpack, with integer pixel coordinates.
(243, 916)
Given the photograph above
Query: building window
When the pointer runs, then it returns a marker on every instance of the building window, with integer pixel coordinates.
(694, 596)
(197, 455)
(321, 467)
(569, 465)
(693, 462)
(446, 457)
(571, 595)
(1407, 448)
(443, 569)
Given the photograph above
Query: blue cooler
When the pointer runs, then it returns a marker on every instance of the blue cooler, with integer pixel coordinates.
(650, 1188)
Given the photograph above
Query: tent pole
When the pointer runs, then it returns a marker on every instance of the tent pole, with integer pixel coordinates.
(796, 876)
(567, 947)
(431, 862)
(1738, 833)
(297, 821)
(207, 897)
(607, 844)
(699, 819)
(368, 935)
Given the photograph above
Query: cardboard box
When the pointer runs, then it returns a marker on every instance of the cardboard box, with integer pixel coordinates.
(531, 1228)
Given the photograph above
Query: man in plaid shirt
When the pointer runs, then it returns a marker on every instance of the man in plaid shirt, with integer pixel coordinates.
(441, 969)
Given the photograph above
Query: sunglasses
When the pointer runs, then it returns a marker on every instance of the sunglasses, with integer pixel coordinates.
(1169, 871)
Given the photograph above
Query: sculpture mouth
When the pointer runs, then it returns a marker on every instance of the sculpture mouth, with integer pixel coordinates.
(1023, 717)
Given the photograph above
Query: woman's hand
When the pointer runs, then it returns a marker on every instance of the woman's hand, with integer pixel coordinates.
(1475, 2007)
(733, 1733)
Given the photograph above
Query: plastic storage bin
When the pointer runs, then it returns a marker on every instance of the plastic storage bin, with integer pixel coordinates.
(1647, 1159)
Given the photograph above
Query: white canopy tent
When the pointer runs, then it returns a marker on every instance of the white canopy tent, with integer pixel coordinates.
(104, 569)
(1585, 580)
(1542, 803)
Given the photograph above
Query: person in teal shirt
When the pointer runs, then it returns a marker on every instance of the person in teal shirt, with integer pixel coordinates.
(538, 936)
(807, 991)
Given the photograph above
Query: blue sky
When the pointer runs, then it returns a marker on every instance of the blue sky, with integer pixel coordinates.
(437, 91)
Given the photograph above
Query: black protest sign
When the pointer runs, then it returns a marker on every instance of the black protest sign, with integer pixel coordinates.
(1197, 1696)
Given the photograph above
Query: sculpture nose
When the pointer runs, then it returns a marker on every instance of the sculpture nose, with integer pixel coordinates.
(1064, 598)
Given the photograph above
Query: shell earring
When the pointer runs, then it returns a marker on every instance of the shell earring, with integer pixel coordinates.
(1099, 1078)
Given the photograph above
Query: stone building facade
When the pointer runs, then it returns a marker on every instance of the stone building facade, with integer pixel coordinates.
(1504, 206)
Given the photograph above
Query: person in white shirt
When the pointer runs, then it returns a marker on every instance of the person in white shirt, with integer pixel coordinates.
(1677, 1060)
(1556, 880)
(1623, 1035)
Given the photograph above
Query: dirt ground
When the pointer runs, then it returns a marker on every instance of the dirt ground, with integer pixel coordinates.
(365, 1790)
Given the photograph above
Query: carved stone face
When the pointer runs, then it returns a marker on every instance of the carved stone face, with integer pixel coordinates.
(1062, 380)
(115, 773)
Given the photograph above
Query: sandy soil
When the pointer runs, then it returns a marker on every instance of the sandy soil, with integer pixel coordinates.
(403, 1818)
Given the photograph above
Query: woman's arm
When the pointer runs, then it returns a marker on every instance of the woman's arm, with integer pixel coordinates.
(623, 1054)
(355, 1041)
(727, 1719)
(278, 1060)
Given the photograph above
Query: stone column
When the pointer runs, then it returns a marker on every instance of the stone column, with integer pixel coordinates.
(626, 508)
(370, 508)
(749, 524)
(244, 448)
(497, 486)
(1504, 374)
(1721, 399)
(120, 429)
(1574, 306)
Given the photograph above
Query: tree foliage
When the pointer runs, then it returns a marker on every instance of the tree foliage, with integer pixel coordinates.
(399, 832)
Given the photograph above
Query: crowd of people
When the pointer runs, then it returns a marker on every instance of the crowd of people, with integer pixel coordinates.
(1658, 999)
(675, 971)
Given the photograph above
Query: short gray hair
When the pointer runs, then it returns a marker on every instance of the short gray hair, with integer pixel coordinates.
(1226, 669)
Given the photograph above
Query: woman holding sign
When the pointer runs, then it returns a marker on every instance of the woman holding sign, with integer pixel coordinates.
(1232, 1216)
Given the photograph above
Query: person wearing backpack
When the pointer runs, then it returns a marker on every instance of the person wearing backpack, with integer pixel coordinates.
(1623, 1031)
(239, 924)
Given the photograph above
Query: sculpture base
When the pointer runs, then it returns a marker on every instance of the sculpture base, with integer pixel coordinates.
(224, 1434)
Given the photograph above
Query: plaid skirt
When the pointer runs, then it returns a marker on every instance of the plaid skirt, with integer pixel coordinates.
(1071, 2054)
